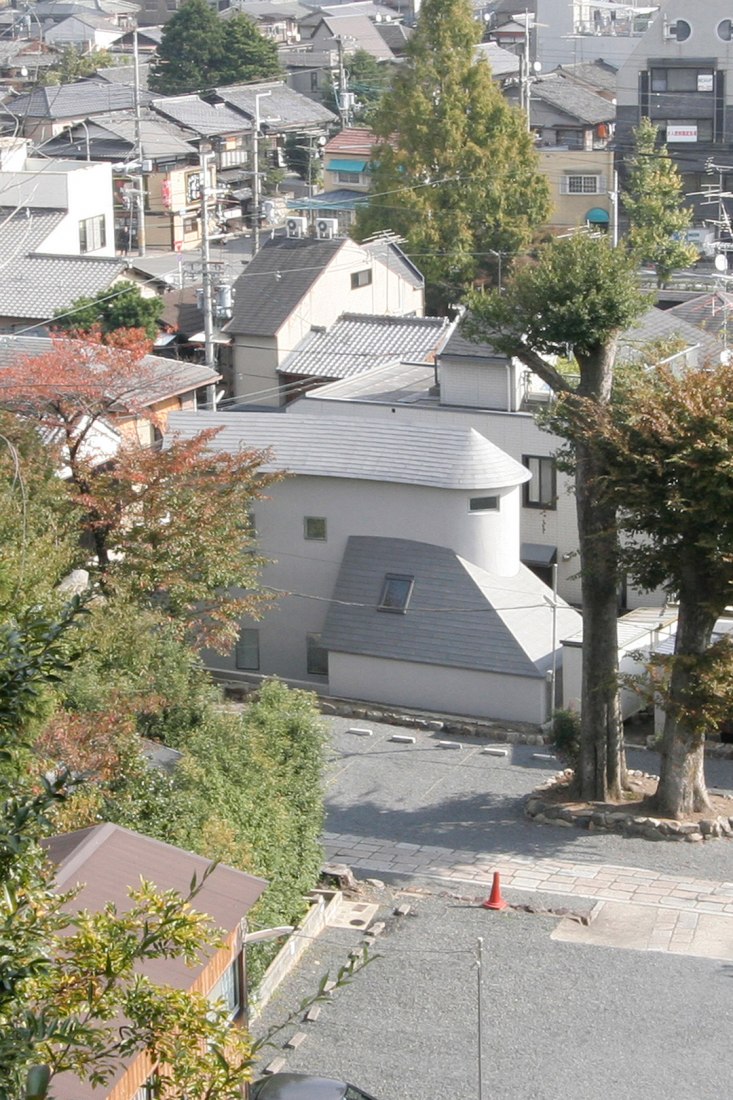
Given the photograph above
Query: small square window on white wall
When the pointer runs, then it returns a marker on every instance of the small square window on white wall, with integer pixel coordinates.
(314, 527)
(247, 650)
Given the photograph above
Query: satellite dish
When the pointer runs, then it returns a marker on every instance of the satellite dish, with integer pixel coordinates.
(721, 262)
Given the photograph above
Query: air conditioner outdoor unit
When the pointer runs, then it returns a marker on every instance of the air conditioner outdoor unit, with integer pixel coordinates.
(326, 228)
(296, 227)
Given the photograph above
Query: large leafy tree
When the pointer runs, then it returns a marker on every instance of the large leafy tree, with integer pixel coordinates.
(576, 300)
(670, 441)
(122, 307)
(654, 204)
(168, 528)
(199, 51)
(455, 172)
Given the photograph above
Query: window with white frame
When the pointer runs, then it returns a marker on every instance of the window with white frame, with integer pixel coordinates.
(541, 490)
(348, 177)
(571, 184)
(247, 650)
(92, 234)
(228, 990)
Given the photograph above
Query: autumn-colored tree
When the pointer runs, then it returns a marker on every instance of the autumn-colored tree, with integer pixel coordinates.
(165, 526)
(669, 442)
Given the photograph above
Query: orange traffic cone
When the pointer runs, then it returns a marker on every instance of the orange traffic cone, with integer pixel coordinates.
(495, 900)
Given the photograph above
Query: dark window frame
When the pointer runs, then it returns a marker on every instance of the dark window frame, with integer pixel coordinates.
(92, 234)
(395, 597)
(361, 278)
(481, 504)
(316, 656)
(533, 489)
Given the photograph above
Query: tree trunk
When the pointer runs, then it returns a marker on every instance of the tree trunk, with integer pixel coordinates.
(602, 772)
(602, 767)
(682, 789)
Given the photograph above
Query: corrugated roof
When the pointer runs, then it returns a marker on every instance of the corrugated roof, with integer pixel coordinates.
(38, 286)
(395, 383)
(355, 140)
(360, 342)
(458, 616)
(276, 279)
(370, 450)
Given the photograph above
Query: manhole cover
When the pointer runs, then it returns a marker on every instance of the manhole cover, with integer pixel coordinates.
(354, 914)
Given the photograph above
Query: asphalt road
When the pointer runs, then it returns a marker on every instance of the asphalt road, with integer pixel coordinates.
(463, 799)
(560, 1021)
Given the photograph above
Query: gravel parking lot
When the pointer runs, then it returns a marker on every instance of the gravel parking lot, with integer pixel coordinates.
(560, 1021)
(463, 799)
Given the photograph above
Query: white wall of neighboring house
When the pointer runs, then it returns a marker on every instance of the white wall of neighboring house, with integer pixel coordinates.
(403, 683)
(83, 191)
(357, 507)
(257, 358)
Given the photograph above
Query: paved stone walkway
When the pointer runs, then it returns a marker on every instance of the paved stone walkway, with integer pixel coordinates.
(601, 882)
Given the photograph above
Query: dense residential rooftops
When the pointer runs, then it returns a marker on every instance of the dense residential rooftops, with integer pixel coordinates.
(362, 32)
(281, 109)
(360, 342)
(74, 100)
(203, 118)
(349, 447)
(458, 616)
(114, 135)
(711, 312)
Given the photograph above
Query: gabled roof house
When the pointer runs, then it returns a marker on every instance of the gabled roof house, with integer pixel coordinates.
(395, 555)
(296, 284)
(105, 862)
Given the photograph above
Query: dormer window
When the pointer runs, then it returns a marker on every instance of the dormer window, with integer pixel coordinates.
(396, 592)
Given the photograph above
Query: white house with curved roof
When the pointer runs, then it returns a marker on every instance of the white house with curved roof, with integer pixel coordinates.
(395, 555)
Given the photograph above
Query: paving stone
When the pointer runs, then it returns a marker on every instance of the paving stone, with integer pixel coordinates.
(296, 1040)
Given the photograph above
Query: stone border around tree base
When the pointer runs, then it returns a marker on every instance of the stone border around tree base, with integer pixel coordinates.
(546, 812)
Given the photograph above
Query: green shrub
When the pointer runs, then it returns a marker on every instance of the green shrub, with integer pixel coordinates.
(565, 736)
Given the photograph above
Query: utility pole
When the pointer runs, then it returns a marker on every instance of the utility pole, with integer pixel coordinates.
(343, 98)
(256, 189)
(140, 188)
(525, 69)
(205, 156)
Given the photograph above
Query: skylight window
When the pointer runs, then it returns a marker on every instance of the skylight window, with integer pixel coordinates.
(396, 592)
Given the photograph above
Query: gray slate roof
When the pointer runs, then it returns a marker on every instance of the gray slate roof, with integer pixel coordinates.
(76, 100)
(203, 118)
(38, 286)
(23, 231)
(362, 33)
(359, 342)
(395, 383)
(503, 62)
(711, 312)
(278, 277)
(574, 100)
(660, 324)
(364, 449)
(458, 616)
(596, 73)
(282, 109)
(112, 137)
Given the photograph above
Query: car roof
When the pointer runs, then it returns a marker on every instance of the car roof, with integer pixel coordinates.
(298, 1086)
